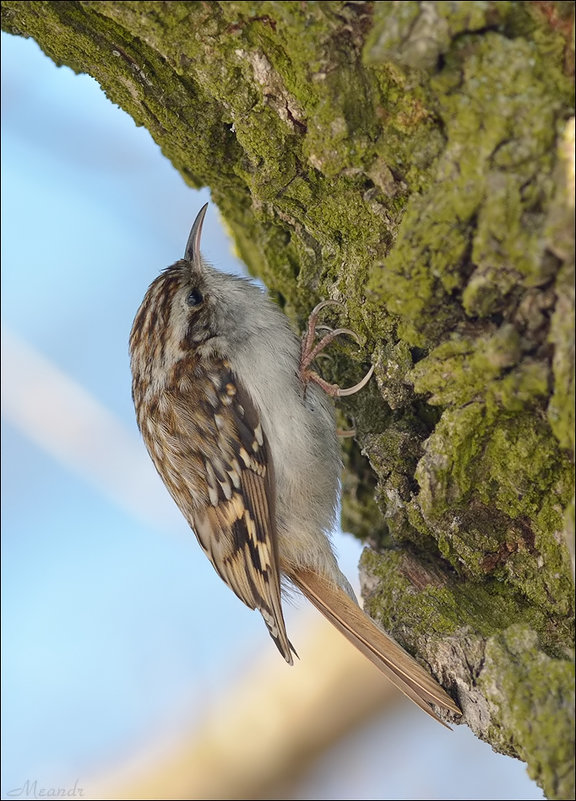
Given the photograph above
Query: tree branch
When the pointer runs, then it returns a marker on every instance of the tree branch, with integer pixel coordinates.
(411, 160)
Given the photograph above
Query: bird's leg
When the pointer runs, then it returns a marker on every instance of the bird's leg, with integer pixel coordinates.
(309, 352)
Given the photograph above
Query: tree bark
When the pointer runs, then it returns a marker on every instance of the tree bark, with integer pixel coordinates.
(412, 160)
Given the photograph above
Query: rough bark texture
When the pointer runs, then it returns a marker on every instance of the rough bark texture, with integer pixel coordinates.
(412, 160)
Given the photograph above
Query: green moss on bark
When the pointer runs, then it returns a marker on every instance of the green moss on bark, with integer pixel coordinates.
(538, 691)
(519, 684)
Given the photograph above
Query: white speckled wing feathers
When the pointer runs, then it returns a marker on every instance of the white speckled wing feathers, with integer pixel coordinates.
(236, 527)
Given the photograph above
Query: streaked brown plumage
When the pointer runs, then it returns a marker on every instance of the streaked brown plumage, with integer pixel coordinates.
(250, 453)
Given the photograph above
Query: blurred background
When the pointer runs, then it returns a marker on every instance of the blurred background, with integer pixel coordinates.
(129, 669)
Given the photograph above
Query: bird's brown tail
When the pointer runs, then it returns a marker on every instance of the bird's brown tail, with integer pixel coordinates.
(402, 670)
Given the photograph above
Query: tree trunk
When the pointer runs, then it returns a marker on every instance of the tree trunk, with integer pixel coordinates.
(412, 160)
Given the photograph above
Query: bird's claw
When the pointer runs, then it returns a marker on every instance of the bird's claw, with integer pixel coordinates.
(309, 352)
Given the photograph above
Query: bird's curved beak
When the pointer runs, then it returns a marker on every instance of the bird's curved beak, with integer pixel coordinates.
(192, 252)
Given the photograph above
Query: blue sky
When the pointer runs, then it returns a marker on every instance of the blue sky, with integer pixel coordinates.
(114, 623)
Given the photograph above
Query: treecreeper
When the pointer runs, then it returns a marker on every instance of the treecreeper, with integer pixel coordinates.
(243, 434)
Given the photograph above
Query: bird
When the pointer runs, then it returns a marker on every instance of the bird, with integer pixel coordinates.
(242, 432)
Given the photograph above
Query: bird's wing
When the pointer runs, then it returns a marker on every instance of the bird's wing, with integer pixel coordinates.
(236, 524)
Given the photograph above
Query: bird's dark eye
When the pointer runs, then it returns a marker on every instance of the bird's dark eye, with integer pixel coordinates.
(194, 298)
